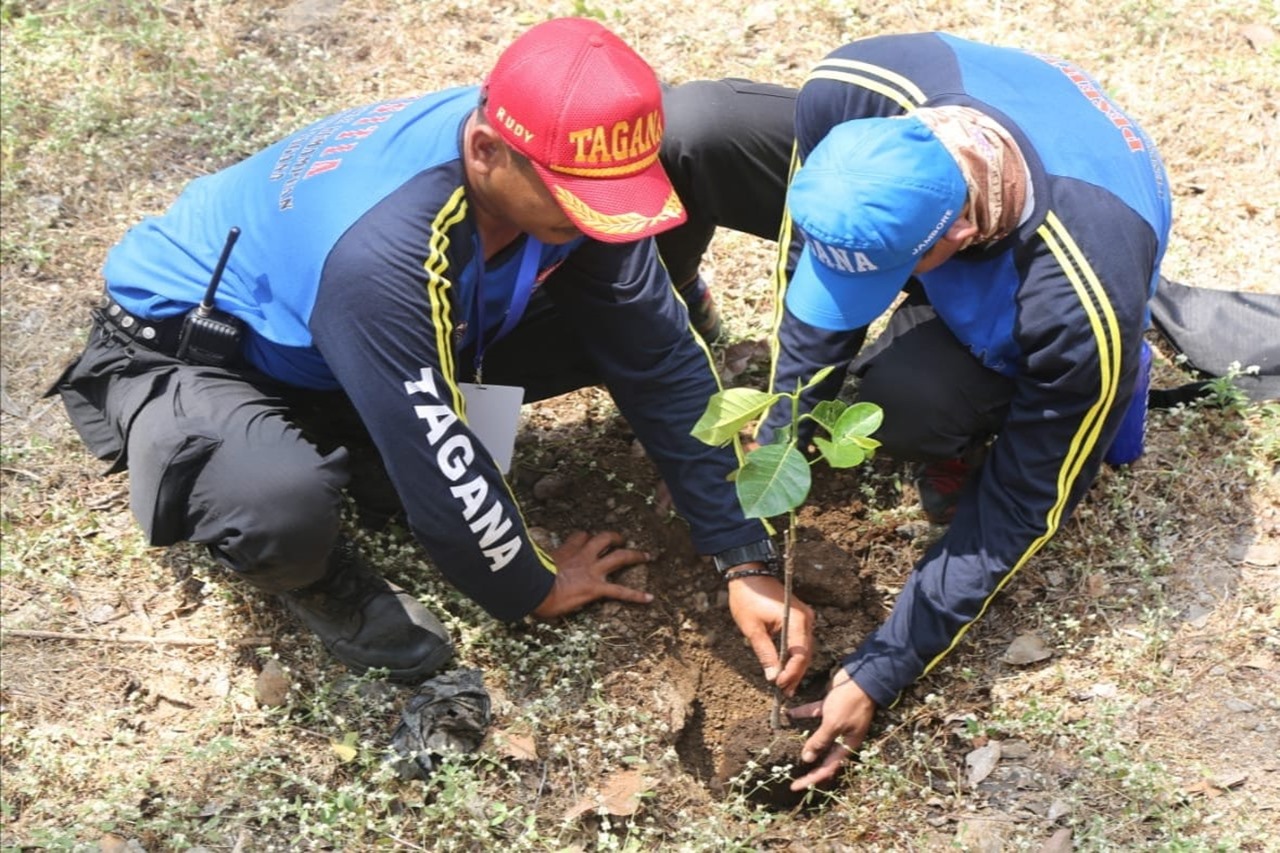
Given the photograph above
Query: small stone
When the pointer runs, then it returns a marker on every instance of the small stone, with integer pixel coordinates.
(978, 835)
(1103, 690)
(1057, 809)
(1239, 706)
(551, 487)
(982, 761)
(544, 539)
(1015, 750)
(1027, 649)
(913, 530)
(111, 843)
(1059, 842)
(272, 685)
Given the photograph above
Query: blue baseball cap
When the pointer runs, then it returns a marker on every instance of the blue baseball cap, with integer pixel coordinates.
(871, 199)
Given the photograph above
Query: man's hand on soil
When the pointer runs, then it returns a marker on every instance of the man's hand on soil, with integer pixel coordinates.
(846, 714)
(756, 605)
(583, 565)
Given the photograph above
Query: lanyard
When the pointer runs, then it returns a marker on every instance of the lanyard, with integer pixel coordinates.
(520, 294)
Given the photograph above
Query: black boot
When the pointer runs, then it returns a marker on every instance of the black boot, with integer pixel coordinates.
(369, 623)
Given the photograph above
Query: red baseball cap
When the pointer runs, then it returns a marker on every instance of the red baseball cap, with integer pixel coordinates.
(586, 111)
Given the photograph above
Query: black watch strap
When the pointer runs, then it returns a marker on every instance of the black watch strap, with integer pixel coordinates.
(761, 551)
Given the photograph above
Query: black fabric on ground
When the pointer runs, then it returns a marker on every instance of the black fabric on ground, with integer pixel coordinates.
(1216, 328)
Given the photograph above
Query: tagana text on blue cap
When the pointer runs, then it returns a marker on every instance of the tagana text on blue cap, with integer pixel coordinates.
(871, 199)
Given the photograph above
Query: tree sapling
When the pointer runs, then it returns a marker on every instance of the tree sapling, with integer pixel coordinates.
(774, 478)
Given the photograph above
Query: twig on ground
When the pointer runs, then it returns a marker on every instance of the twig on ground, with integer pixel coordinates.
(131, 638)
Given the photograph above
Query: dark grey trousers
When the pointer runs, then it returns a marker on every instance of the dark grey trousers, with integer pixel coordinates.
(256, 470)
(939, 401)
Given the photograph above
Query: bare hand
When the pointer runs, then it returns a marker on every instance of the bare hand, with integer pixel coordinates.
(756, 605)
(583, 566)
(846, 715)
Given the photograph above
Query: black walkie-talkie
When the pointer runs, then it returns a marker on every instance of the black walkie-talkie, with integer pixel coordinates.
(210, 336)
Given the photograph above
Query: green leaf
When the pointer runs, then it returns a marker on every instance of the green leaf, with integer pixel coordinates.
(867, 444)
(819, 376)
(860, 419)
(827, 413)
(774, 479)
(728, 411)
(840, 455)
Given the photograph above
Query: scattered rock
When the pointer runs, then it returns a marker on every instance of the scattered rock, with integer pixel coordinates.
(1197, 616)
(271, 688)
(982, 761)
(914, 529)
(1015, 750)
(1096, 585)
(110, 843)
(1260, 36)
(544, 539)
(1239, 706)
(550, 487)
(982, 835)
(304, 14)
(1103, 690)
(1058, 809)
(101, 614)
(1027, 649)
(47, 209)
(1059, 842)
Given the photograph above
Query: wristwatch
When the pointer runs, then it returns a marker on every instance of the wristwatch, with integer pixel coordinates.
(761, 551)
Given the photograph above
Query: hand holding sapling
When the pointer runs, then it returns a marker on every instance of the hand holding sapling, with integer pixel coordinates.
(775, 478)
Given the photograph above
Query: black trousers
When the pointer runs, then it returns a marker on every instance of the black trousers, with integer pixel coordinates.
(256, 470)
(727, 148)
(939, 401)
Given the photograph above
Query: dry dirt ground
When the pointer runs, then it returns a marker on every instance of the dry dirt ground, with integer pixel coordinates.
(1158, 602)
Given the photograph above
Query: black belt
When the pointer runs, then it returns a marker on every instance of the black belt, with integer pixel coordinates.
(159, 335)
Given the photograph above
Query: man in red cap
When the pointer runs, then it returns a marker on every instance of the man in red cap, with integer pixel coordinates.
(393, 281)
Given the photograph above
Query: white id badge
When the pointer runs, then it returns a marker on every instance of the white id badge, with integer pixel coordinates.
(493, 413)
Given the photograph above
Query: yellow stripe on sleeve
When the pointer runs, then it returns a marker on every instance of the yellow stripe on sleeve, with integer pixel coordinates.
(1106, 333)
(438, 285)
(875, 78)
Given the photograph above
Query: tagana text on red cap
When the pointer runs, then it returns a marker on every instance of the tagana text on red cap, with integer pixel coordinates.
(586, 110)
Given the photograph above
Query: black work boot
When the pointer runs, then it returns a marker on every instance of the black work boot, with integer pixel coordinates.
(368, 623)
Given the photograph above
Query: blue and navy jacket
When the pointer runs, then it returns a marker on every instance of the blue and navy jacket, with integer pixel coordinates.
(359, 269)
(1059, 306)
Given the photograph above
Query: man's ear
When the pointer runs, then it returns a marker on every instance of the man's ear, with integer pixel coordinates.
(485, 149)
(961, 231)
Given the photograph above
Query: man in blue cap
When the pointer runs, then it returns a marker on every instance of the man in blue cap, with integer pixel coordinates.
(1024, 217)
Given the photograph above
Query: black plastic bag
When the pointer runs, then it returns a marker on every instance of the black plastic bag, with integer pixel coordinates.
(1216, 328)
(447, 715)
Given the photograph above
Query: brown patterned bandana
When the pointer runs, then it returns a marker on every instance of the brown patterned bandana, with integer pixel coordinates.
(991, 163)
